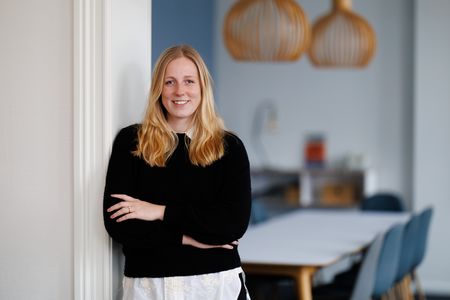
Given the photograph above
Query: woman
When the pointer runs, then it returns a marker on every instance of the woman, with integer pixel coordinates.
(177, 194)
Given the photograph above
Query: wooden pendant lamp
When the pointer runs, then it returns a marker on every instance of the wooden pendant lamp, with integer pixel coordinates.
(266, 30)
(342, 38)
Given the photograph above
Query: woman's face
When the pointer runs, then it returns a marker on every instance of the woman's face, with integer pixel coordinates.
(181, 94)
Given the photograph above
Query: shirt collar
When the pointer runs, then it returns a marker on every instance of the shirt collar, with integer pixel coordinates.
(189, 133)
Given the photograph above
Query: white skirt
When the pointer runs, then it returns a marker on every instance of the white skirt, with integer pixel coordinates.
(224, 285)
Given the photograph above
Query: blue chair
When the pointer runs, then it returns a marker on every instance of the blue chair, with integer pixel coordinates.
(388, 261)
(374, 278)
(376, 275)
(365, 282)
(420, 249)
(422, 238)
(259, 212)
(383, 202)
(362, 286)
(408, 251)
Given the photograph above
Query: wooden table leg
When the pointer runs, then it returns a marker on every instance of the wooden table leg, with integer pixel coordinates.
(304, 283)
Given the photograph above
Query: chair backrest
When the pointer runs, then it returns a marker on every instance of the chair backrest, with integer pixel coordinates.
(383, 202)
(259, 212)
(408, 248)
(366, 276)
(388, 260)
(422, 236)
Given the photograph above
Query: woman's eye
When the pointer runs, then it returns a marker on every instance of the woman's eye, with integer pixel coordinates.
(169, 82)
(189, 81)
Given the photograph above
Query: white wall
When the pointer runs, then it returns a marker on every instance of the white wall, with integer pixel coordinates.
(130, 78)
(36, 118)
(130, 60)
(364, 111)
(432, 138)
(36, 223)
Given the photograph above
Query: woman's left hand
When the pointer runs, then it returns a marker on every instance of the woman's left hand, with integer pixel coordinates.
(188, 241)
(132, 208)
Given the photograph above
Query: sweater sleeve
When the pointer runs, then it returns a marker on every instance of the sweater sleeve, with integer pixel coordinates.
(120, 179)
(225, 218)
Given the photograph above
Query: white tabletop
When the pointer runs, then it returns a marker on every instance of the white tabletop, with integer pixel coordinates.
(313, 237)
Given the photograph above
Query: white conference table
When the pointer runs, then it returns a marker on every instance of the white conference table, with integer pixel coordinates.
(299, 243)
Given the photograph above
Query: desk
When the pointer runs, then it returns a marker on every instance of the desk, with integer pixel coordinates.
(299, 243)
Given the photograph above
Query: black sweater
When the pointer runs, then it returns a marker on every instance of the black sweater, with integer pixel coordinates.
(211, 204)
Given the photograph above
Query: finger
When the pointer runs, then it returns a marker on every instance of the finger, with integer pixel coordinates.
(227, 247)
(120, 212)
(118, 206)
(235, 243)
(123, 197)
(115, 207)
(126, 217)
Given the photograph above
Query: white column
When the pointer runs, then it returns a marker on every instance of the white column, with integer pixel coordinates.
(92, 127)
(103, 29)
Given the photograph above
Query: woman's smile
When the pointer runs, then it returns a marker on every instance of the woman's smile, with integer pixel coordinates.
(180, 102)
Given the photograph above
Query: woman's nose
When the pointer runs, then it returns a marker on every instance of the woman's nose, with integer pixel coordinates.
(179, 90)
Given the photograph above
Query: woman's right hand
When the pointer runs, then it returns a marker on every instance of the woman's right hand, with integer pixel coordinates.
(188, 241)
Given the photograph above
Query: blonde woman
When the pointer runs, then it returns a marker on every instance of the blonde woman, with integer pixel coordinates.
(177, 194)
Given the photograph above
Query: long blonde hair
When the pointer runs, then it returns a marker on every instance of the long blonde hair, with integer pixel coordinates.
(157, 141)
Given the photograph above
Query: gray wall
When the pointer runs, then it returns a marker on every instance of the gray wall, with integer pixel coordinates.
(365, 111)
(431, 135)
(36, 157)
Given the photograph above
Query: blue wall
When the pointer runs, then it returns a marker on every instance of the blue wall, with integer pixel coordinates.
(183, 22)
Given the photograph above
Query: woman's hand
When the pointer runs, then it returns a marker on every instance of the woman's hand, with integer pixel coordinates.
(132, 208)
(188, 241)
